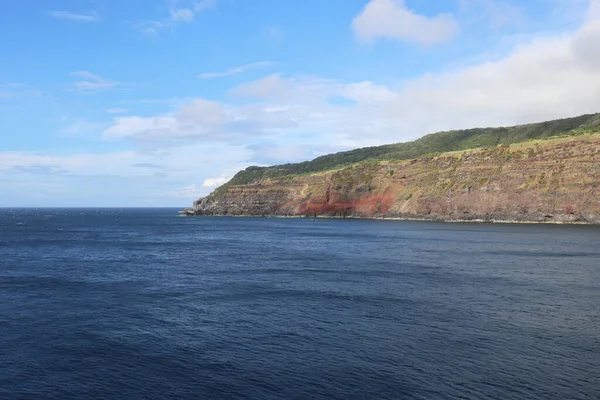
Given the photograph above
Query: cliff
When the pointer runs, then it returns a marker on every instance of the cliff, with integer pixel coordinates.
(548, 180)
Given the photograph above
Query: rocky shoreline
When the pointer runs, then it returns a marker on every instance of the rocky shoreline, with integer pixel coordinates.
(550, 220)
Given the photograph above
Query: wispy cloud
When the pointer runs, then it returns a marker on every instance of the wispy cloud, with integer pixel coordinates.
(155, 178)
(92, 17)
(201, 5)
(7, 94)
(181, 14)
(151, 28)
(38, 169)
(13, 90)
(234, 70)
(147, 165)
(498, 14)
(180, 11)
(91, 82)
(86, 75)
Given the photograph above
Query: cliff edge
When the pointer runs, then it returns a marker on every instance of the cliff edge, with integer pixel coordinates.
(553, 179)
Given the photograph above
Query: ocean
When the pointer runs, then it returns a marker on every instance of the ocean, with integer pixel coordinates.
(144, 304)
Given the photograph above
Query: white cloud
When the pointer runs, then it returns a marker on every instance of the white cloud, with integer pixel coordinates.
(77, 164)
(180, 11)
(93, 17)
(125, 127)
(151, 28)
(276, 87)
(594, 11)
(196, 119)
(214, 182)
(202, 112)
(546, 78)
(91, 82)
(233, 70)
(391, 19)
(180, 162)
(86, 75)
(269, 86)
(87, 86)
(182, 14)
(161, 178)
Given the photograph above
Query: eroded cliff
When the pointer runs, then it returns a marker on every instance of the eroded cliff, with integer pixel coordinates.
(554, 180)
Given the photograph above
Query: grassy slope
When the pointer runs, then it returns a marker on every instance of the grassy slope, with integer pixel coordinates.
(432, 143)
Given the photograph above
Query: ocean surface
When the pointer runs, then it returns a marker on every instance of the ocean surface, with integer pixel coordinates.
(144, 304)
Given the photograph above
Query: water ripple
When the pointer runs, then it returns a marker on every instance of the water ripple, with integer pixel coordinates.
(123, 304)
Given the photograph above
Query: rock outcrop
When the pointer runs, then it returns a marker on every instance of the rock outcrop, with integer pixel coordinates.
(555, 180)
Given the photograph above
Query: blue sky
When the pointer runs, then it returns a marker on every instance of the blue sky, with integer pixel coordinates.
(156, 102)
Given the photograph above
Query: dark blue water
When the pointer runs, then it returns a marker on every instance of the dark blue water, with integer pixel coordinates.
(143, 304)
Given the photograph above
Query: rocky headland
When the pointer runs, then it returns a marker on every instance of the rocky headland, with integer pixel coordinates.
(551, 176)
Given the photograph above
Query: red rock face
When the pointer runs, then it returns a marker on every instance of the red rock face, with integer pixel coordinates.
(339, 203)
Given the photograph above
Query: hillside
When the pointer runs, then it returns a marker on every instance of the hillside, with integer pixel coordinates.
(432, 143)
(538, 172)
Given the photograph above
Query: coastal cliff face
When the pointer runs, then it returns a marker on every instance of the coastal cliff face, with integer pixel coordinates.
(555, 180)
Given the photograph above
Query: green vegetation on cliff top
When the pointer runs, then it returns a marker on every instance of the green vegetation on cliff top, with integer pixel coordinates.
(432, 143)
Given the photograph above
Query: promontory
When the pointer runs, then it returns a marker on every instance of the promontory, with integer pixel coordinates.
(541, 172)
